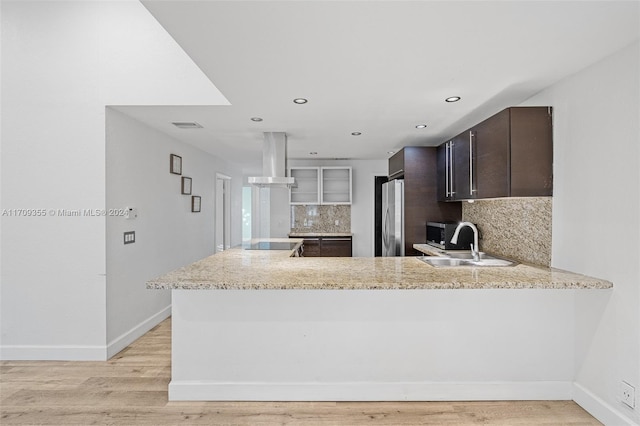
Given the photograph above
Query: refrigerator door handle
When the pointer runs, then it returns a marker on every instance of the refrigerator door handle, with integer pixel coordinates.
(385, 229)
(399, 220)
(384, 232)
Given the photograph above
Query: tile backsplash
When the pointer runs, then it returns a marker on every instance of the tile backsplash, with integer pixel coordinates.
(516, 228)
(316, 218)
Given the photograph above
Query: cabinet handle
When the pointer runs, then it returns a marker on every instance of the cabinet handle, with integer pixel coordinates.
(336, 239)
(471, 137)
(446, 168)
(451, 169)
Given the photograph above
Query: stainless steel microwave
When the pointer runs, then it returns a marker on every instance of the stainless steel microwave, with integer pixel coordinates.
(439, 235)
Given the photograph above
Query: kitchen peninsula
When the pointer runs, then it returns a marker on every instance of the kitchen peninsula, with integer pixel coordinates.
(485, 333)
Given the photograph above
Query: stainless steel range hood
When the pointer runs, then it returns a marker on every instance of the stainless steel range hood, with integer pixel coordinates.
(274, 162)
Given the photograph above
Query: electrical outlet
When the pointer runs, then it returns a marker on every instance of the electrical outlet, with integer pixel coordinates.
(130, 237)
(628, 394)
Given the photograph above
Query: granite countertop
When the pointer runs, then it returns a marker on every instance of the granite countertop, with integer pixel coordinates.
(262, 270)
(320, 234)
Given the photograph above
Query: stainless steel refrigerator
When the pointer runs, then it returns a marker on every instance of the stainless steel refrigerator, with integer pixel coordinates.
(393, 218)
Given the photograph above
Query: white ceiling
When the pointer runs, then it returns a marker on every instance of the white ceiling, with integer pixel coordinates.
(376, 67)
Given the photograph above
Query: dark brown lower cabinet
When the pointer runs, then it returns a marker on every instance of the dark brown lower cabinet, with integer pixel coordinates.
(327, 246)
(336, 247)
(311, 247)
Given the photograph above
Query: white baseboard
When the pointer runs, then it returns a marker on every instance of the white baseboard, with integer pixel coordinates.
(52, 353)
(599, 408)
(79, 352)
(368, 391)
(127, 338)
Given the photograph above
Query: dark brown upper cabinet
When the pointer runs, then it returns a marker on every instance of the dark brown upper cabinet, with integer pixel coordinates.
(417, 166)
(455, 170)
(508, 155)
(396, 165)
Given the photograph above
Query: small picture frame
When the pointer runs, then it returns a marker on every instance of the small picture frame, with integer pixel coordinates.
(175, 163)
(195, 203)
(186, 185)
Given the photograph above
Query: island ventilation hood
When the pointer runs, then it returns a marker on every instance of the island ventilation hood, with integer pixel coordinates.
(274, 162)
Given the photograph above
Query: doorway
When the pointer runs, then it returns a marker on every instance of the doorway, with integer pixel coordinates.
(379, 180)
(223, 213)
(247, 207)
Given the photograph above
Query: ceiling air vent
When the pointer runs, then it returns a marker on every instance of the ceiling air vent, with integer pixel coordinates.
(186, 125)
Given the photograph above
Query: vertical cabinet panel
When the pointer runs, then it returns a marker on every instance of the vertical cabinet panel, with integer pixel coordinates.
(531, 152)
(396, 165)
(455, 179)
(462, 167)
(336, 185)
(306, 189)
(491, 148)
(443, 169)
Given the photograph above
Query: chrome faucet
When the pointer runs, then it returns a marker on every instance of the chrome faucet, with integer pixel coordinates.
(475, 251)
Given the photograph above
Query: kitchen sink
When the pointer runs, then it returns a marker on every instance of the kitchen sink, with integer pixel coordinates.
(465, 259)
(466, 255)
(442, 261)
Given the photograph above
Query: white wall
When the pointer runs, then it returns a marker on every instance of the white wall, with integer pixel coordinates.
(363, 201)
(168, 234)
(53, 268)
(596, 226)
(62, 62)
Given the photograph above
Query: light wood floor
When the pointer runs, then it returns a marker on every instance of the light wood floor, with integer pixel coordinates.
(131, 389)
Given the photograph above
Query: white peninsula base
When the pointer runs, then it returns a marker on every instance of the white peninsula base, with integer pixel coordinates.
(371, 345)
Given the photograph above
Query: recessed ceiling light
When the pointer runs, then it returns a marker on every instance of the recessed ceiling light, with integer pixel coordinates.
(186, 125)
(313, 153)
(421, 126)
(256, 119)
(300, 101)
(356, 133)
(391, 152)
(452, 99)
